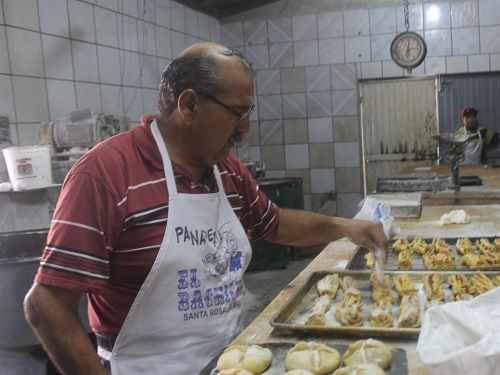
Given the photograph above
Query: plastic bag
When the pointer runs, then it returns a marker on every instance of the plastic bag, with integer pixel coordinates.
(462, 337)
(373, 209)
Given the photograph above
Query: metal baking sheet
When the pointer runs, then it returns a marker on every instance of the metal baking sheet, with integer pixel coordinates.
(290, 319)
(399, 364)
(358, 261)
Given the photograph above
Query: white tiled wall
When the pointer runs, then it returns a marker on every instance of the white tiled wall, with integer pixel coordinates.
(60, 55)
(310, 61)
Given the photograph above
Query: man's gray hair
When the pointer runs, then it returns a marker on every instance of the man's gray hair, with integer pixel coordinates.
(197, 71)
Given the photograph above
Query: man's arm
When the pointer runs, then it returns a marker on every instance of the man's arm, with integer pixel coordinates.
(53, 314)
(303, 228)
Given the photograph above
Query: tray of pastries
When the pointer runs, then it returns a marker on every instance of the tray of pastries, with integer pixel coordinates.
(466, 253)
(363, 357)
(356, 303)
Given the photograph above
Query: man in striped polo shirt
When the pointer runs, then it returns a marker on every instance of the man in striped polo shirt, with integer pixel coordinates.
(154, 224)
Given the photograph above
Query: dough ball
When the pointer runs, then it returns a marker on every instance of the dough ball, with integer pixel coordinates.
(368, 351)
(235, 371)
(312, 356)
(253, 358)
(299, 372)
(361, 369)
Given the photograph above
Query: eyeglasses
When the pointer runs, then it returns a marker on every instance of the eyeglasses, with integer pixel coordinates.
(241, 115)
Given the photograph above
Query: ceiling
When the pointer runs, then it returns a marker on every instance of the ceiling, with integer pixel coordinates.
(223, 8)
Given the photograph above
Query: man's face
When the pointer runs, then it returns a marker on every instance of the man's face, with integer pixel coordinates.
(221, 127)
(470, 122)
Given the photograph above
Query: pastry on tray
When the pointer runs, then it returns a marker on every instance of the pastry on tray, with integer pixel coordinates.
(490, 259)
(432, 286)
(328, 285)
(404, 285)
(381, 292)
(484, 245)
(419, 246)
(464, 245)
(436, 241)
(409, 312)
(361, 369)
(439, 260)
(348, 282)
(316, 316)
(375, 283)
(370, 351)
(400, 245)
(350, 315)
(312, 356)
(253, 358)
(460, 285)
(381, 314)
(481, 283)
(351, 296)
(405, 259)
(496, 280)
(471, 260)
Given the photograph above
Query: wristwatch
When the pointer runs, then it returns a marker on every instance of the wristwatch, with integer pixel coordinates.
(408, 50)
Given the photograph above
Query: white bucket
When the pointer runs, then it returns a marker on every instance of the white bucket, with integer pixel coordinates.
(28, 167)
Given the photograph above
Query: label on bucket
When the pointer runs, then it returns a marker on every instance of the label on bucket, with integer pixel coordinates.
(24, 168)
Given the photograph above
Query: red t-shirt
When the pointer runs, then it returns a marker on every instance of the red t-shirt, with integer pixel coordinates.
(111, 216)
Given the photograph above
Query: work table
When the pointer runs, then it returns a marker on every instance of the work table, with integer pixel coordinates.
(485, 221)
(487, 193)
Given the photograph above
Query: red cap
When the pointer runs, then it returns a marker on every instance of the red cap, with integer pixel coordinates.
(468, 111)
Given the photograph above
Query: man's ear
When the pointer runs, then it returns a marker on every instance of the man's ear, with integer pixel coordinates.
(187, 104)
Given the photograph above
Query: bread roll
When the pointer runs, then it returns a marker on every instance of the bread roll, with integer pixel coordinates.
(312, 356)
(361, 369)
(299, 372)
(253, 358)
(368, 351)
(235, 371)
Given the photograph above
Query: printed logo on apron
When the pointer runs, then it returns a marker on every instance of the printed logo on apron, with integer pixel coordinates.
(189, 305)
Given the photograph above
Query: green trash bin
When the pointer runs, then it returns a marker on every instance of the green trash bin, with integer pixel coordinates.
(286, 193)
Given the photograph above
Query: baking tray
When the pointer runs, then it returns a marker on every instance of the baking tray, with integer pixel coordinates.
(358, 262)
(290, 319)
(399, 364)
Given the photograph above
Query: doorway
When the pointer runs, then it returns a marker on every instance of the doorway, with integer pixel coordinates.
(398, 119)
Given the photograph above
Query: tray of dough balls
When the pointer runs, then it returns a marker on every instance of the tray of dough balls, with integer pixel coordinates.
(363, 357)
(355, 303)
(466, 253)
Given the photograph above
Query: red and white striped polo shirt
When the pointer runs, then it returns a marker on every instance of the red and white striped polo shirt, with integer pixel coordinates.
(111, 217)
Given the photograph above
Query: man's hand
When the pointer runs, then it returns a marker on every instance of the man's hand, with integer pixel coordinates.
(368, 234)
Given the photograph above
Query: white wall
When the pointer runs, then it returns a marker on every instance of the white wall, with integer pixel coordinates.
(60, 55)
(309, 55)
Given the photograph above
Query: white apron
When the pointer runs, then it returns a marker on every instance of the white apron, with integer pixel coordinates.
(188, 307)
(473, 150)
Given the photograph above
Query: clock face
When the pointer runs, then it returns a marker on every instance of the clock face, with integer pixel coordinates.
(408, 49)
